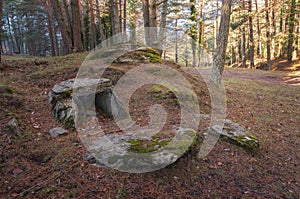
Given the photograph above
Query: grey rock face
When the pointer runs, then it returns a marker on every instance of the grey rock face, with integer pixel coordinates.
(85, 94)
(58, 132)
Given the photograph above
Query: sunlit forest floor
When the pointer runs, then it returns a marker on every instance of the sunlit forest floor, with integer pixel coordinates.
(267, 103)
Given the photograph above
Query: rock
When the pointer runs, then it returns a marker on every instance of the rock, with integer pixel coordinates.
(86, 94)
(14, 127)
(58, 132)
(17, 171)
(236, 134)
(141, 55)
(89, 158)
(108, 101)
(135, 154)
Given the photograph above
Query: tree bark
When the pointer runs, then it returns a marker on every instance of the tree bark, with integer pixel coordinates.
(66, 35)
(150, 23)
(201, 30)
(244, 57)
(163, 23)
(114, 15)
(0, 26)
(291, 30)
(193, 31)
(216, 26)
(259, 47)
(220, 54)
(251, 38)
(100, 25)
(269, 64)
(78, 47)
(68, 18)
(92, 26)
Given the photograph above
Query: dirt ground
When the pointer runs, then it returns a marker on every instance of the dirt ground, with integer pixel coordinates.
(39, 166)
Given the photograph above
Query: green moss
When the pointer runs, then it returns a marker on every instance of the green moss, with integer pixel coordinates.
(9, 90)
(248, 142)
(146, 146)
(154, 58)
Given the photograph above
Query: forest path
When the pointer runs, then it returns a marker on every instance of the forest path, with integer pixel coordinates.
(289, 76)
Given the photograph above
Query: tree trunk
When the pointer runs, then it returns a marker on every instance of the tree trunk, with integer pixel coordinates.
(0, 26)
(100, 25)
(251, 39)
(163, 23)
(216, 26)
(193, 30)
(68, 17)
(66, 35)
(281, 42)
(201, 30)
(291, 30)
(273, 29)
(78, 47)
(220, 54)
(259, 47)
(114, 15)
(92, 26)
(244, 57)
(269, 64)
(125, 16)
(150, 23)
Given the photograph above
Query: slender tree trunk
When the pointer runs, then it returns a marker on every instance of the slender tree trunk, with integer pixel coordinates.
(274, 8)
(76, 26)
(66, 35)
(50, 30)
(269, 64)
(92, 26)
(291, 30)
(125, 16)
(201, 30)
(1, 26)
(12, 49)
(216, 28)
(176, 41)
(193, 31)
(150, 23)
(296, 51)
(114, 14)
(220, 54)
(251, 37)
(163, 23)
(243, 51)
(100, 25)
(259, 47)
(68, 17)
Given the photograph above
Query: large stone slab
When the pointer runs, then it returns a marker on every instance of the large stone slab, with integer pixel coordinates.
(86, 94)
(140, 154)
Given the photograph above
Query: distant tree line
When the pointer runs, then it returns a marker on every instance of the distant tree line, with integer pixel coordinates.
(259, 30)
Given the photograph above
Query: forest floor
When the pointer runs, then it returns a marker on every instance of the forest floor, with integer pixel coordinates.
(266, 103)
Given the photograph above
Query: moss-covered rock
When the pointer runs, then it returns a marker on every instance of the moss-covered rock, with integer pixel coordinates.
(236, 134)
(141, 55)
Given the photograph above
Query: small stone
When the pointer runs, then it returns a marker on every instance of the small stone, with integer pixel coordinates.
(58, 132)
(220, 163)
(17, 171)
(14, 127)
(90, 158)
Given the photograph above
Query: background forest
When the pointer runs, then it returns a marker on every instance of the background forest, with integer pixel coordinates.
(260, 30)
